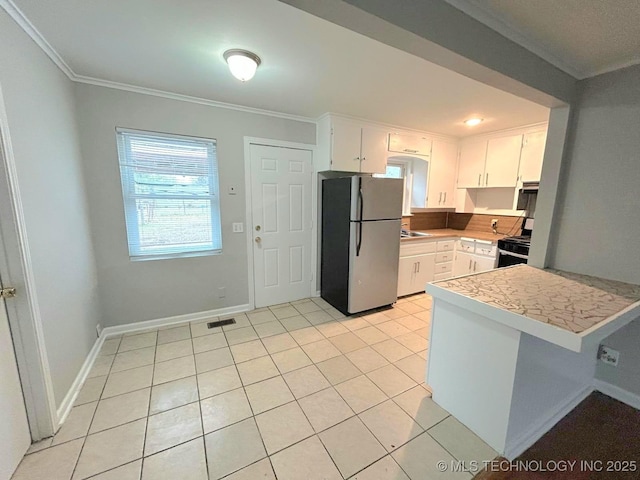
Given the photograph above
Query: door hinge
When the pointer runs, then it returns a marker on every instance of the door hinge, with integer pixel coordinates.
(8, 292)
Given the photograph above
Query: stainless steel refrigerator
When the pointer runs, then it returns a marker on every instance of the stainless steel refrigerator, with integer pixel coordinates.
(361, 222)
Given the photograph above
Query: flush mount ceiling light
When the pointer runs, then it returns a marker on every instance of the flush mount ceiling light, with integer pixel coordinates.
(242, 63)
(472, 122)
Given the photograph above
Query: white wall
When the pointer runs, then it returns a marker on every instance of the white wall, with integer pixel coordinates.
(144, 290)
(598, 215)
(41, 113)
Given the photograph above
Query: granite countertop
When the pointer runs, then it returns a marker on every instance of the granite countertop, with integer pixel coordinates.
(569, 301)
(450, 232)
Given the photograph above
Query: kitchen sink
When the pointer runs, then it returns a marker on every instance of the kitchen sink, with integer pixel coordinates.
(411, 234)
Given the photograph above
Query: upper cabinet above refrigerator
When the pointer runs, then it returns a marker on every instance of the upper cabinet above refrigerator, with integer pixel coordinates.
(345, 145)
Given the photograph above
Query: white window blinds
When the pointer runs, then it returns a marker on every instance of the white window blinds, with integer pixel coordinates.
(171, 194)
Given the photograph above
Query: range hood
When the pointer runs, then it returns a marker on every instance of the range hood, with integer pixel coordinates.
(529, 188)
(527, 196)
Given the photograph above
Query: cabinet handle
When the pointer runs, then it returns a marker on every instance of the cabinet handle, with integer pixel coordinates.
(357, 158)
(364, 158)
(470, 262)
(474, 266)
(440, 199)
(418, 267)
(408, 150)
(445, 198)
(479, 178)
(415, 267)
(486, 182)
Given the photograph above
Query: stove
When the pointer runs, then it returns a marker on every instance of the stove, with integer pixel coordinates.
(513, 250)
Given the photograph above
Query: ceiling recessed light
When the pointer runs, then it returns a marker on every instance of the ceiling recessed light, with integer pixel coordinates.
(242, 63)
(472, 122)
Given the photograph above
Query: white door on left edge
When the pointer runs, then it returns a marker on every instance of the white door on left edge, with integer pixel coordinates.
(281, 228)
(13, 417)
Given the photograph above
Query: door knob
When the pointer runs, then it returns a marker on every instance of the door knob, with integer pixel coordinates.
(258, 239)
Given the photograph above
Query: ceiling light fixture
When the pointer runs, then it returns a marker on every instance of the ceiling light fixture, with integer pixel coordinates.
(242, 63)
(472, 122)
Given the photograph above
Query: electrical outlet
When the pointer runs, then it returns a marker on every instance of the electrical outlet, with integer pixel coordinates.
(222, 292)
(608, 355)
(238, 228)
(494, 223)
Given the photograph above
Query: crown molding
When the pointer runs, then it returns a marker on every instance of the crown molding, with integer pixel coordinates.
(28, 27)
(475, 10)
(613, 67)
(187, 98)
(23, 22)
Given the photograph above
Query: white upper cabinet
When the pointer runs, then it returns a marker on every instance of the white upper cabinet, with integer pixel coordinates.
(490, 163)
(373, 150)
(345, 145)
(350, 146)
(503, 159)
(442, 175)
(409, 144)
(471, 165)
(532, 156)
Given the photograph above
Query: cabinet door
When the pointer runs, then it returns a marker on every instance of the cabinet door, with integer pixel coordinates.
(425, 272)
(345, 146)
(409, 144)
(503, 159)
(419, 193)
(407, 268)
(483, 264)
(374, 150)
(442, 174)
(532, 156)
(463, 264)
(471, 164)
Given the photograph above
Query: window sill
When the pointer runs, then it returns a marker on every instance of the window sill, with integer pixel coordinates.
(170, 256)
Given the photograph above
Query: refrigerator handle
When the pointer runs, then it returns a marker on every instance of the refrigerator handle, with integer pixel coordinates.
(361, 207)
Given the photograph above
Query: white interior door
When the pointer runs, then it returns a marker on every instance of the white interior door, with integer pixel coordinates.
(13, 416)
(281, 224)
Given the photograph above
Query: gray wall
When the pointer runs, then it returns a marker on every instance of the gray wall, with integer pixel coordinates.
(598, 215)
(41, 114)
(144, 290)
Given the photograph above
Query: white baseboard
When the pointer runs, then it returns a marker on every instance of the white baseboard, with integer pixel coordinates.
(317, 294)
(175, 320)
(620, 394)
(70, 397)
(531, 436)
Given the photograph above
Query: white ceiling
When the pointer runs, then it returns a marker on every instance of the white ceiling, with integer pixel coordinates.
(310, 66)
(582, 37)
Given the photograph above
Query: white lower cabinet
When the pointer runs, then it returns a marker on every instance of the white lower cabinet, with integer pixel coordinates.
(466, 263)
(415, 272)
(463, 264)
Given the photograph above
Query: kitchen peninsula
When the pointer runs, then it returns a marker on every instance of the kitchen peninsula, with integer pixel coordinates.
(519, 345)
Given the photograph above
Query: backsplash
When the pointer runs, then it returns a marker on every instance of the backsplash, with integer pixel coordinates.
(482, 223)
(427, 220)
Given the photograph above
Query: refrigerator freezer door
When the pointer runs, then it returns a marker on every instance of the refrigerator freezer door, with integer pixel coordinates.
(373, 274)
(376, 198)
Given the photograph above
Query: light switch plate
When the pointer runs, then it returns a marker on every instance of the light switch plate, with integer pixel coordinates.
(238, 228)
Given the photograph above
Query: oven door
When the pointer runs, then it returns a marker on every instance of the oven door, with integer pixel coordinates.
(506, 259)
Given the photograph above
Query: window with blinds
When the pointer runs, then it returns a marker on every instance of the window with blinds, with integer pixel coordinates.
(171, 194)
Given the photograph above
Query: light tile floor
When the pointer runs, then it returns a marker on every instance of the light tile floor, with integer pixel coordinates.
(295, 391)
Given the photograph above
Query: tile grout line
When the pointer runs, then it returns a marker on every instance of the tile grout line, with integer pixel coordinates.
(86, 437)
(261, 338)
(204, 440)
(146, 420)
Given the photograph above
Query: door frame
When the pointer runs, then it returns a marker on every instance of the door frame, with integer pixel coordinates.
(25, 320)
(248, 141)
